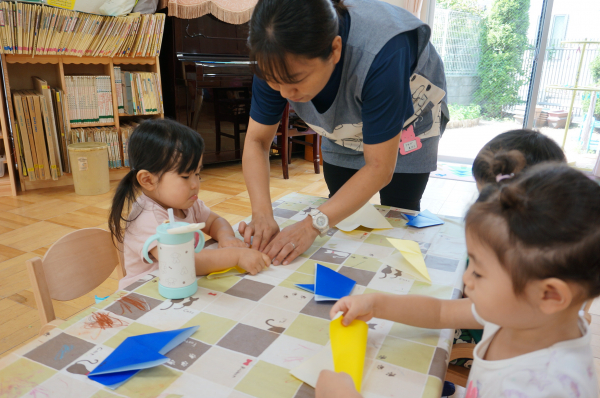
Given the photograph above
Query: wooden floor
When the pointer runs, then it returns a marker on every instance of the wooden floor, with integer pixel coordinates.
(33, 221)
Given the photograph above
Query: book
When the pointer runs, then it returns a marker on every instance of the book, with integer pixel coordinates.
(47, 131)
(42, 87)
(30, 137)
(35, 113)
(60, 127)
(119, 88)
(40, 30)
(23, 135)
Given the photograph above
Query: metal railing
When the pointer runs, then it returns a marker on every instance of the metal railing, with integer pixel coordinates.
(455, 36)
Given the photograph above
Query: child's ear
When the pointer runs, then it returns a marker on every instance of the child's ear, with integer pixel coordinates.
(147, 180)
(555, 295)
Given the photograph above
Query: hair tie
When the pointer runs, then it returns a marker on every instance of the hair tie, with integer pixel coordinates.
(501, 177)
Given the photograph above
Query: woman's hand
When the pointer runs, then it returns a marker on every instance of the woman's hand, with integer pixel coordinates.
(335, 385)
(292, 241)
(360, 307)
(231, 241)
(262, 227)
(253, 261)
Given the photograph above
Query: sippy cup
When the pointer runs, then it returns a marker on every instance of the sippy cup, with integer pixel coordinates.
(176, 262)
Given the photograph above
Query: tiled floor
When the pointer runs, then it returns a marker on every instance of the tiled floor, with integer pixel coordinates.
(32, 222)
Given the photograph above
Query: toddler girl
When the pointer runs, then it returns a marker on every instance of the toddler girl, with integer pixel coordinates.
(533, 245)
(166, 158)
(510, 153)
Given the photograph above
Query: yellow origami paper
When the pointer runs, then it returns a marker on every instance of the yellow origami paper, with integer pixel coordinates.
(349, 347)
(233, 271)
(411, 260)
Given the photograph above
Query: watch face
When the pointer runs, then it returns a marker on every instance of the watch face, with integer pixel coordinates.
(321, 222)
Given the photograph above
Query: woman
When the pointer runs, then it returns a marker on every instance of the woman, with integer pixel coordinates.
(361, 73)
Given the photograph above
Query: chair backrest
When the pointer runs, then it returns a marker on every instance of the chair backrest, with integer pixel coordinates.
(73, 266)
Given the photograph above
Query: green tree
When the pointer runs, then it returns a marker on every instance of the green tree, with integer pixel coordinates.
(503, 43)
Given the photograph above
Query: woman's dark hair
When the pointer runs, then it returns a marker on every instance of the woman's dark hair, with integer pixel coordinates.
(512, 152)
(157, 146)
(304, 28)
(543, 224)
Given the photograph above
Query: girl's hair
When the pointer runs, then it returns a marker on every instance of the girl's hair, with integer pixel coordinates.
(157, 146)
(304, 28)
(544, 224)
(512, 152)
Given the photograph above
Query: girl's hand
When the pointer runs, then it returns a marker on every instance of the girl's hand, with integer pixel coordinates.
(360, 307)
(231, 241)
(335, 385)
(263, 228)
(253, 261)
(291, 242)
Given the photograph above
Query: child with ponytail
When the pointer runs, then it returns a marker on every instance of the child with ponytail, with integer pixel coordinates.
(165, 159)
(509, 153)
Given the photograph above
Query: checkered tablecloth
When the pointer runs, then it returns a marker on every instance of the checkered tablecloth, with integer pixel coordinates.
(254, 329)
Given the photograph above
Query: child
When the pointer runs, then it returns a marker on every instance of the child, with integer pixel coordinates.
(533, 246)
(510, 153)
(165, 159)
(505, 156)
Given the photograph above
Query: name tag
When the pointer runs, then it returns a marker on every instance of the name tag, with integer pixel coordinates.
(408, 142)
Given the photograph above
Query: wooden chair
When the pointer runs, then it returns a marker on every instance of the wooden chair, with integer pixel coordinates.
(285, 138)
(73, 266)
(459, 374)
(234, 110)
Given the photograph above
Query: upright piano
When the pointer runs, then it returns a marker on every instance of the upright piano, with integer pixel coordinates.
(207, 81)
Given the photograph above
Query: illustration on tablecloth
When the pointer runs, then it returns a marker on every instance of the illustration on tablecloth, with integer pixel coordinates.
(255, 329)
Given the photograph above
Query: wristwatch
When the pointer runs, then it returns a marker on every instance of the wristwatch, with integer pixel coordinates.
(320, 222)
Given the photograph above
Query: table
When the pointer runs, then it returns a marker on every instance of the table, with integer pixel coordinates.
(254, 329)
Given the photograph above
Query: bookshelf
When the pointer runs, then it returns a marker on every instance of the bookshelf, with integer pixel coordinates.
(18, 71)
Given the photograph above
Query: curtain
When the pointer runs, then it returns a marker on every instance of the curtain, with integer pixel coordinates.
(240, 11)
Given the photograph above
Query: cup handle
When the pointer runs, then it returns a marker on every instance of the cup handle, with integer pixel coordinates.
(200, 244)
(146, 245)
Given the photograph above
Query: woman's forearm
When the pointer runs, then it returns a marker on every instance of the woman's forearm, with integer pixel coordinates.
(357, 191)
(256, 166)
(380, 163)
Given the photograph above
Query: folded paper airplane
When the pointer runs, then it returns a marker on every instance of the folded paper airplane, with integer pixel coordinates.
(423, 219)
(367, 216)
(409, 259)
(329, 285)
(136, 353)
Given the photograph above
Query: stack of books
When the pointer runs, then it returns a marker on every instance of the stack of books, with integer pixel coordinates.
(89, 99)
(41, 130)
(108, 135)
(39, 30)
(140, 93)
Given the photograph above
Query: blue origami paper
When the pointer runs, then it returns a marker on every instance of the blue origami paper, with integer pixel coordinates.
(423, 219)
(308, 287)
(329, 285)
(137, 353)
